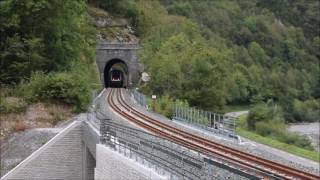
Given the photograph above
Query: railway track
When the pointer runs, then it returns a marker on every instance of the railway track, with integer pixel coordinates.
(249, 163)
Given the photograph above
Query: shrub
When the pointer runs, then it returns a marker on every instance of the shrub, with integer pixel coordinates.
(164, 106)
(256, 114)
(308, 110)
(295, 139)
(267, 120)
(265, 112)
(181, 8)
(266, 128)
(69, 88)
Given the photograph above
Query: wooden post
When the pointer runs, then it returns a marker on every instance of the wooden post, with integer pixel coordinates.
(154, 97)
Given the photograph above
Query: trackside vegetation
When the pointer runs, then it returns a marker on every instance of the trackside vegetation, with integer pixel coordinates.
(296, 145)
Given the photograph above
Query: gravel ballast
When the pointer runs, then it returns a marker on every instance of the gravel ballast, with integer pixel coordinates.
(243, 145)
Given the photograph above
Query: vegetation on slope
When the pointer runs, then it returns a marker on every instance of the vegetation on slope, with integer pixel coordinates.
(276, 142)
(209, 53)
(47, 50)
(217, 53)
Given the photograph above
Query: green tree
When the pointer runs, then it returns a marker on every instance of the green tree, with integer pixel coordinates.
(42, 35)
(257, 53)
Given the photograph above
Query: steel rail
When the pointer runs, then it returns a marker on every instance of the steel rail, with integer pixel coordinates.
(282, 169)
(185, 143)
(233, 154)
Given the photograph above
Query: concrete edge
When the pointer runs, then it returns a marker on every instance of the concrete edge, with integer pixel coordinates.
(42, 148)
(89, 124)
(148, 172)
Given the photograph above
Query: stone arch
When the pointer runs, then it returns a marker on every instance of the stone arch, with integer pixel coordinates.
(115, 64)
(126, 52)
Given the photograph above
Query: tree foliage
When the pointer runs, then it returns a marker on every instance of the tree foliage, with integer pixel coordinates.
(40, 41)
(273, 47)
(213, 53)
(42, 35)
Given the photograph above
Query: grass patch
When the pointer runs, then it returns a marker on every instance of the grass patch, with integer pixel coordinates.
(242, 131)
(12, 105)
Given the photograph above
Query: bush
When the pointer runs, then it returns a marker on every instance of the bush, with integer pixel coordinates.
(269, 128)
(256, 114)
(72, 87)
(264, 112)
(267, 120)
(295, 139)
(308, 110)
(164, 106)
(181, 8)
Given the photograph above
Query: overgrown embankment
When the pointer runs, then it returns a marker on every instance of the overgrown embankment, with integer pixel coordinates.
(47, 51)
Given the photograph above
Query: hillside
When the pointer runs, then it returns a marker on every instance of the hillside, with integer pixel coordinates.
(210, 54)
(217, 53)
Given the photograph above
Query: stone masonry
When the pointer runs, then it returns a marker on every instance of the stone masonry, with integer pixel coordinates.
(122, 51)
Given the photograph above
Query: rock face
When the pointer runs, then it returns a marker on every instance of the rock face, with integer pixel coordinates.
(110, 28)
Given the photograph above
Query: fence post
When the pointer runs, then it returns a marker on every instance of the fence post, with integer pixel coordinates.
(191, 110)
(214, 121)
(210, 122)
(223, 124)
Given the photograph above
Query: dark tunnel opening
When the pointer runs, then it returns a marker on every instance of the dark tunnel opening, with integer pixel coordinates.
(116, 74)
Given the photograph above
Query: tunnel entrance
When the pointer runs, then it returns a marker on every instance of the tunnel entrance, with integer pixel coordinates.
(116, 74)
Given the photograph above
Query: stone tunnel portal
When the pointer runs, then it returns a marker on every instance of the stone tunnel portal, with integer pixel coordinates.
(116, 74)
(121, 57)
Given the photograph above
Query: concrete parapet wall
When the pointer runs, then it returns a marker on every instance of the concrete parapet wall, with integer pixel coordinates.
(60, 158)
(112, 165)
(70, 155)
(90, 137)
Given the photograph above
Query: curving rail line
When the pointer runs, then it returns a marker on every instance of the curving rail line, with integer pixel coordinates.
(246, 161)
